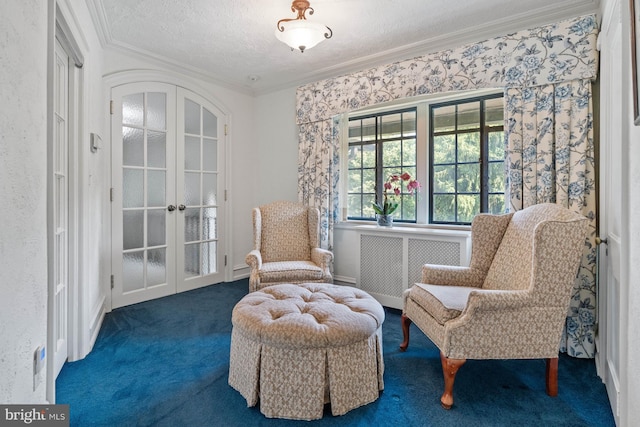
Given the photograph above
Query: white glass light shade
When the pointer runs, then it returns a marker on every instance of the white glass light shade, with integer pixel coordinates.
(302, 34)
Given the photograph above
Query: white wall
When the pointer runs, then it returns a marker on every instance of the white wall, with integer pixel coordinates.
(23, 178)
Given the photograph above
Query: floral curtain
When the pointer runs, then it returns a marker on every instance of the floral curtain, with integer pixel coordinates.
(550, 158)
(318, 173)
(547, 56)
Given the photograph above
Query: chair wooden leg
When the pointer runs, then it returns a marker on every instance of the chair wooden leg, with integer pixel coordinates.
(449, 369)
(552, 377)
(406, 322)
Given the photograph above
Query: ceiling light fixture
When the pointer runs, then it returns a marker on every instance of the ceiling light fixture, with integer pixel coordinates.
(299, 33)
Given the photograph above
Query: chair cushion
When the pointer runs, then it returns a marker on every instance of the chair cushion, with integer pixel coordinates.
(293, 271)
(443, 303)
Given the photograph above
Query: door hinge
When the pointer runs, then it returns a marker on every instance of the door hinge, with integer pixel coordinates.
(225, 195)
(111, 107)
(112, 280)
(111, 194)
(226, 130)
(225, 260)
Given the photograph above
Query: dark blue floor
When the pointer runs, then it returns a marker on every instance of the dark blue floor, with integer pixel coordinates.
(165, 363)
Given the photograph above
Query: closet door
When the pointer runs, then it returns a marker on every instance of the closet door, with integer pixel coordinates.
(200, 192)
(143, 192)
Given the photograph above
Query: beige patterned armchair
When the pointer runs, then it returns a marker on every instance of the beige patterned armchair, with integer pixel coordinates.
(286, 246)
(512, 300)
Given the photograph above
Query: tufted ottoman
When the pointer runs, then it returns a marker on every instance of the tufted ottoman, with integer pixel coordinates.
(297, 347)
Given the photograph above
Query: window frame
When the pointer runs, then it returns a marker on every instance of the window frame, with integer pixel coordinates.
(484, 161)
(423, 151)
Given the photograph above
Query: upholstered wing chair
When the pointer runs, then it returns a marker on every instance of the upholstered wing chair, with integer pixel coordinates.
(286, 246)
(512, 300)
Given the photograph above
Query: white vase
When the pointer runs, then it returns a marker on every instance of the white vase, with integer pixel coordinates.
(384, 220)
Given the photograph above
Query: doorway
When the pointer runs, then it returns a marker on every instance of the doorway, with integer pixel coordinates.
(168, 204)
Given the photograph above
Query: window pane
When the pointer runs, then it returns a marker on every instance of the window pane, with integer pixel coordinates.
(132, 146)
(496, 177)
(496, 204)
(494, 112)
(367, 205)
(409, 152)
(469, 116)
(469, 147)
(444, 179)
(132, 188)
(468, 207)
(369, 181)
(133, 229)
(191, 153)
(355, 156)
(496, 146)
(469, 178)
(354, 206)
(391, 154)
(209, 124)
(191, 224)
(355, 133)
(191, 117)
(355, 181)
(391, 126)
(369, 129)
(444, 149)
(156, 266)
(156, 227)
(156, 185)
(132, 109)
(444, 208)
(156, 107)
(156, 149)
(444, 119)
(369, 156)
(409, 124)
(408, 205)
(209, 155)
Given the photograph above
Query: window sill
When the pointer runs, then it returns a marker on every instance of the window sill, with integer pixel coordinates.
(399, 227)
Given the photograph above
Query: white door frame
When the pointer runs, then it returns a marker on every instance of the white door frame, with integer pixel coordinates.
(179, 80)
(62, 24)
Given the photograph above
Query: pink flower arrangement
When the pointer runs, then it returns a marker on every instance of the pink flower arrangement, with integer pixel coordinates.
(392, 185)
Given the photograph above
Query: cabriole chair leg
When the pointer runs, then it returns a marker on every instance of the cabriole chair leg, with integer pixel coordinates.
(449, 369)
(406, 322)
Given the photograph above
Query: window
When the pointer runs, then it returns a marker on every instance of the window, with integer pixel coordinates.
(467, 160)
(381, 145)
(455, 148)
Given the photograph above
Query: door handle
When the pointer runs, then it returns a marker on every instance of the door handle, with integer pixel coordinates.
(171, 208)
(181, 207)
(599, 240)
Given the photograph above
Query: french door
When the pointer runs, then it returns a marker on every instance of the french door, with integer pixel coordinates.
(168, 178)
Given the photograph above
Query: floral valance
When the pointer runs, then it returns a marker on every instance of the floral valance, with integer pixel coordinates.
(550, 54)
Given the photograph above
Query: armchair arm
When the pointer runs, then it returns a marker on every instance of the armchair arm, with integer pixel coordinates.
(321, 257)
(494, 300)
(452, 275)
(254, 259)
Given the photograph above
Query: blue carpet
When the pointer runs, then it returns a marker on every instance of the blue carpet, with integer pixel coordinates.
(165, 363)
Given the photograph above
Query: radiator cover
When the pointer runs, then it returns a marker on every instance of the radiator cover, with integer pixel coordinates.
(391, 260)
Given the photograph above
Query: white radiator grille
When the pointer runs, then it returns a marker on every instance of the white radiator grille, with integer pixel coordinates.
(381, 265)
(423, 251)
(392, 262)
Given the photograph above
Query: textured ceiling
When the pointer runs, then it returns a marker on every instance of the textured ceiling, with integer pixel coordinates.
(232, 42)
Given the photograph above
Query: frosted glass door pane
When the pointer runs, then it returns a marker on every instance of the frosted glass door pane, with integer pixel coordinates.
(156, 188)
(208, 258)
(156, 149)
(156, 110)
(210, 155)
(132, 147)
(132, 109)
(132, 191)
(156, 266)
(191, 117)
(191, 224)
(209, 227)
(192, 260)
(209, 188)
(133, 229)
(156, 227)
(191, 189)
(210, 124)
(191, 153)
(133, 271)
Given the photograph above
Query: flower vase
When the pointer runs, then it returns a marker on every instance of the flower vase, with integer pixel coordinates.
(385, 220)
